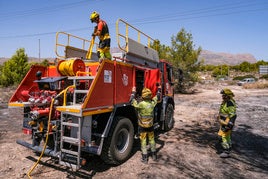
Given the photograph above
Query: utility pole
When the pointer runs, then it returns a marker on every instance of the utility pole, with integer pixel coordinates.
(39, 49)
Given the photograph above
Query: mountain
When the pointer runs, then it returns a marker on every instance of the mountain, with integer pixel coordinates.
(215, 58)
(2, 60)
(30, 59)
(209, 57)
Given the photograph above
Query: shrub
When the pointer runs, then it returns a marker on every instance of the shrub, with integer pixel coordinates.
(257, 85)
(264, 77)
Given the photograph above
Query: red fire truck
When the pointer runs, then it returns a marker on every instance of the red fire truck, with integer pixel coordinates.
(79, 106)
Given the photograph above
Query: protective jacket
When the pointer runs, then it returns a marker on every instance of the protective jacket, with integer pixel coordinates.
(103, 28)
(105, 41)
(145, 110)
(227, 116)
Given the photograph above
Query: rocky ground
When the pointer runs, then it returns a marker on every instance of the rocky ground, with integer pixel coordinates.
(187, 151)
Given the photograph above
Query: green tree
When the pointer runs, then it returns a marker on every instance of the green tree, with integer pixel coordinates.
(45, 62)
(207, 68)
(245, 67)
(163, 51)
(13, 70)
(220, 71)
(184, 57)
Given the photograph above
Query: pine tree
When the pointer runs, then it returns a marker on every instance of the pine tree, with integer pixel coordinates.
(185, 58)
(14, 70)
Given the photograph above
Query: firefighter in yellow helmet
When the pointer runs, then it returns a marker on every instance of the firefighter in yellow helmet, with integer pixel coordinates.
(102, 31)
(227, 117)
(145, 110)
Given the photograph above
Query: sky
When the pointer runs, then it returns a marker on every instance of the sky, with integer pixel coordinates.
(229, 26)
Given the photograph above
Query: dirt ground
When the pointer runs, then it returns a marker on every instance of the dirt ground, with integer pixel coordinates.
(187, 151)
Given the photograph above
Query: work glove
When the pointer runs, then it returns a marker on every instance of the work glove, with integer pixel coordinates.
(230, 125)
(225, 121)
(158, 94)
(133, 94)
(95, 30)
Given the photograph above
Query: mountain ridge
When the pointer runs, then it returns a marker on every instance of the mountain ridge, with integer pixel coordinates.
(208, 57)
(220, 58)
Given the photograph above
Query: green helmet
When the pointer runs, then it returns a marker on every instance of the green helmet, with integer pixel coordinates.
(227, 92)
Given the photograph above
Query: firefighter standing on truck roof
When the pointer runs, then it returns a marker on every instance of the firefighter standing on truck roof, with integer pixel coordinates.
(102, 31)
(145, 110)
(227, 117)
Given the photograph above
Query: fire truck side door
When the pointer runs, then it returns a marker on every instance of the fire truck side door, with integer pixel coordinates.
(152, 78)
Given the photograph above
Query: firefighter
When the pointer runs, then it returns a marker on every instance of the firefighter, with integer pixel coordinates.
(102, 31)
(145, 109)
(227, 117)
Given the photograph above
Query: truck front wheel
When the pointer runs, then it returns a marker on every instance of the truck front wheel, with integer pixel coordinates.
(169, 117)
(118, 145)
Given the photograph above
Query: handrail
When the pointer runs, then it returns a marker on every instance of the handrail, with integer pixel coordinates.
(84, 42)
(126, 36)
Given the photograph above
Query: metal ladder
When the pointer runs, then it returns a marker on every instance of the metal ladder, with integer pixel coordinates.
(68, 157)
(72, 157)
(77, 79)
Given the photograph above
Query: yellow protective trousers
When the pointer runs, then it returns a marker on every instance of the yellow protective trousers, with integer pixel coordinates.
(226, 139)
(104, 48)
(105, 53)
(143, 140)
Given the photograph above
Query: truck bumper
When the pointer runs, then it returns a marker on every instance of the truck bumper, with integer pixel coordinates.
(38, 149)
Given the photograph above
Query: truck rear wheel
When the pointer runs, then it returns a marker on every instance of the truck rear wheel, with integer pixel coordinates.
(118, 145)
(169, 117)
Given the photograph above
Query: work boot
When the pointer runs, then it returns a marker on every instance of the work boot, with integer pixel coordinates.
(225, 154)
(144, 158)
(230, 146)
(154, 156)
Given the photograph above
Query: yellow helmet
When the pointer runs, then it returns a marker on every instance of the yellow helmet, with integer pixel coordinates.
(146, 93)
(94, 15)
(227, 92)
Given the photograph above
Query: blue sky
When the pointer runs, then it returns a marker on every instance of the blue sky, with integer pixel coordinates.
(231, 26)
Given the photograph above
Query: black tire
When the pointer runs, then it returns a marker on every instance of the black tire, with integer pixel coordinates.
(169, 117)
(118, 145)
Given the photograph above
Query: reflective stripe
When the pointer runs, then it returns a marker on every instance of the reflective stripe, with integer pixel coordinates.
(106, 36)
(223, 115)
(146, 116)
(226, 115)
(146, 122)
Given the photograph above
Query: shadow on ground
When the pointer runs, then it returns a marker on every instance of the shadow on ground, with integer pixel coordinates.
(249, 157)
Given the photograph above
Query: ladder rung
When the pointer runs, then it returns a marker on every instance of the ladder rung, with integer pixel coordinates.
(67, 164)
(80, 91)
(70, 124)
(97, 134)
(70, 140)
(81, 77)
(70, 152)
